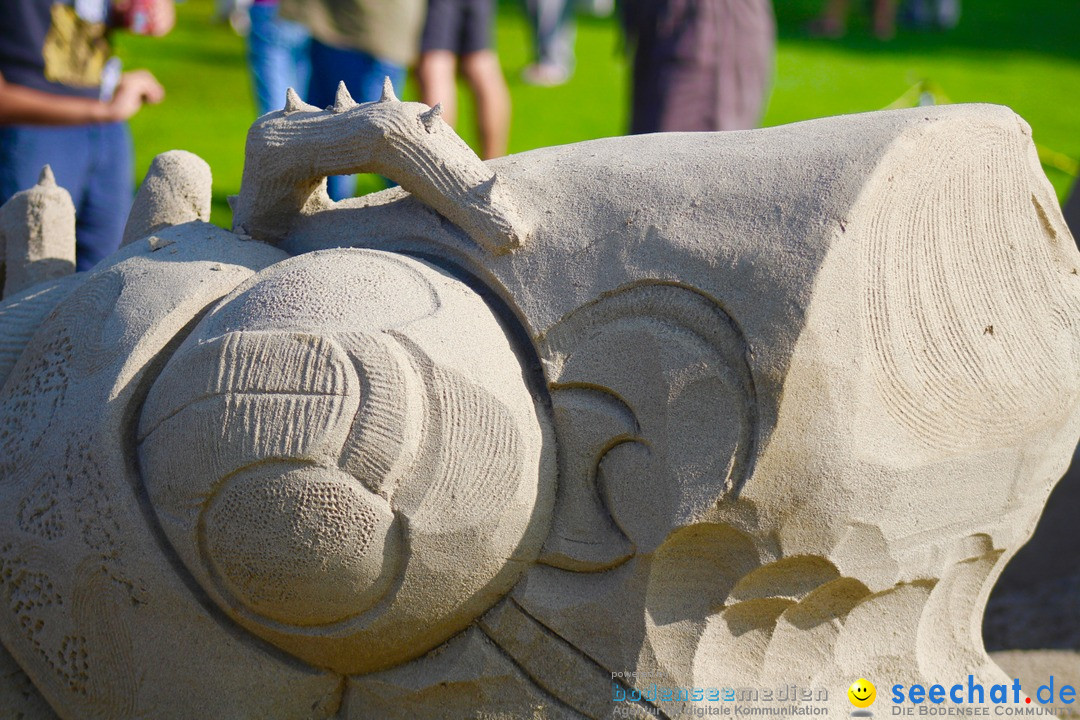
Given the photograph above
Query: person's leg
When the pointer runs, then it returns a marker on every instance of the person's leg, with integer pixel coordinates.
(599, 8)
(278, 57)
(103, 212)
(24, 150)
(916, 13)
(675, 68)
(485, 78)
(19, 165)
(362, 74)
(326, 73)
(480, 65)
(645, 81)
(1072, 212)
(553, 31)
(436, 71)
(885, 19)
(948, 14)
(832, 22)
(532, 14)
(436, 74)
(300, 51)
(365, 77)
(745, 52)
(223, 9)
(562, 47)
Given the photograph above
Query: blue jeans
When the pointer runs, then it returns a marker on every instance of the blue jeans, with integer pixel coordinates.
(279, 56)
(95, 163)
(363, 75)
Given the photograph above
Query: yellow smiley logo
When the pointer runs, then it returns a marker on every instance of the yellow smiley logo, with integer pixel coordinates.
(862, 693)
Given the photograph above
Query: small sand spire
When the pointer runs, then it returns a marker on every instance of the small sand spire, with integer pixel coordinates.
(37, 235)
(46, 178)
(343, 100)
(430, 117)
(293, 103)
(388, 91)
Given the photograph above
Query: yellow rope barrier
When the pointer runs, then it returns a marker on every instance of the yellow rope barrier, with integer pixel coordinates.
(927, 92)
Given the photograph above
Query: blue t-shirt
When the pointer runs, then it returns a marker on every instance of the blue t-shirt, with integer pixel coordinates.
(58, 46)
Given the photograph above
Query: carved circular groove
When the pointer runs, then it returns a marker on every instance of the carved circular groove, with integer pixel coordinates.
(953, 306)
(307, 546)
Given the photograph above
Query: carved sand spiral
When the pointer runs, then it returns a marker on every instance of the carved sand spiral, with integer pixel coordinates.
(956, 301)
(327, 437)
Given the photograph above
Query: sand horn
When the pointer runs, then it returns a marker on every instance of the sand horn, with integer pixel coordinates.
(289, 152)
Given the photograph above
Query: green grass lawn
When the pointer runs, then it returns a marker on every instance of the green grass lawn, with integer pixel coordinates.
(1024, 55)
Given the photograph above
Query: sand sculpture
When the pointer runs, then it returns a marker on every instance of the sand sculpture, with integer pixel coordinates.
(37, 235)
(735, 410)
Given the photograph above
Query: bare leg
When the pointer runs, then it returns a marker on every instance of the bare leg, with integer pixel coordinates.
(884, 19)
(436, 73)
(485, 78)
(833, 19)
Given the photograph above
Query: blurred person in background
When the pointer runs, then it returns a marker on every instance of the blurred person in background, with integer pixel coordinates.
(929, 14)
(699, 65)
(1072, 212)
(359, 42)
(279, 55)
(553, 30)
(463, 29)
(832, 23)
(598, 8)
(234, 12)
(64, 102)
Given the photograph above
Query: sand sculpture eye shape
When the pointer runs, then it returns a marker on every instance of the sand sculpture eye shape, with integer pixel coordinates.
(344, 455)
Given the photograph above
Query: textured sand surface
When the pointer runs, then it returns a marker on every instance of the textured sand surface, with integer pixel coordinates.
(749, 409)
